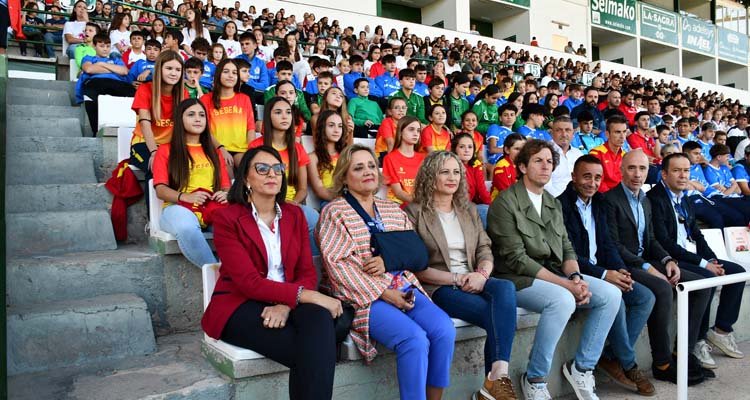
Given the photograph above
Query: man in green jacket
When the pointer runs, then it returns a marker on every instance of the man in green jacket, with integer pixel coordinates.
(366, 113)
(531, 249)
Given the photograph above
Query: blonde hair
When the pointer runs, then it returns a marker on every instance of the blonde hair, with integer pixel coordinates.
(343, 164)
(426, 182)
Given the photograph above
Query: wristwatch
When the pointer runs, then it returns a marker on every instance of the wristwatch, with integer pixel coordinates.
(574, 274)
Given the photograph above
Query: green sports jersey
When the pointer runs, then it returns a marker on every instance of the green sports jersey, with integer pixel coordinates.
(458, 108)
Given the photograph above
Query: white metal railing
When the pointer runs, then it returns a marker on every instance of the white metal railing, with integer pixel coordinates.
(683, 290)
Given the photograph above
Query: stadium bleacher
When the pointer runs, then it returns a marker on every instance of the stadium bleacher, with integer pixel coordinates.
(150, 300)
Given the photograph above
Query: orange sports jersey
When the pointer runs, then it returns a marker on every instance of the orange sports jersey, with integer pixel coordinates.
(161, 127)
(503, 176)
(387, 130)
(611, 162)
(231, 121)
(302, 160)
(438, 140)
(478, 144)
(201, 169)
(398, 168)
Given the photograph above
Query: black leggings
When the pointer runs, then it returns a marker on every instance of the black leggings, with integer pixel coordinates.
(4, 24)
(95, 87)
(306, 345)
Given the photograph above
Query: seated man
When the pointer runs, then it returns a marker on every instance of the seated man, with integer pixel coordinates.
(562, 133)
(101, 75)
(531, 249)
(585, 215)
(631, 224)
(611, 152)
(676, 230)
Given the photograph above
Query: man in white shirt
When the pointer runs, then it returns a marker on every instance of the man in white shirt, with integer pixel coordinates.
(562, 134)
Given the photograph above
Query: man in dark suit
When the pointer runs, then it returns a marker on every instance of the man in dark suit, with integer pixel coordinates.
(631, 227)
(676, 230)
(585, 215)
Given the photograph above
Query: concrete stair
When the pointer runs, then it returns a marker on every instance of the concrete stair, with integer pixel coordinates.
(177, 371)
(66, 333)
(74, 300)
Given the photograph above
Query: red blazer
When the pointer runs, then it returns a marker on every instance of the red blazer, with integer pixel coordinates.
(244, 263)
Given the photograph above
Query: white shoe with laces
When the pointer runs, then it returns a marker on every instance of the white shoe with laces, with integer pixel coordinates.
(702, 351)
(534, 391)
(725, 343)
(583, 383)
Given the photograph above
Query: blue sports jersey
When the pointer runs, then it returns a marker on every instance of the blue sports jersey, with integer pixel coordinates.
(421, 89)
(110, 75)
(207, 79)
(697, 175)
(139, 67)
(529, 133)
(740, 174)
(498, 132)
(721, 175)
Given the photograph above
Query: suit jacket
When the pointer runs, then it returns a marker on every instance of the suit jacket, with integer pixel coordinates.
(244, 267)
(522, 241)
(624, 231)
(429, 228)
(607, 256)
(665, 227)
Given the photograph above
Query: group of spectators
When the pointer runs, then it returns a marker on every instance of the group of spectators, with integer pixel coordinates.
(566, 223)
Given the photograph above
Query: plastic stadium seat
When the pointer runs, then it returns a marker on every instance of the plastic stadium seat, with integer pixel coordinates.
(74, 71)
(307, 143)
(715, 240)
(210, 274)
(115, 112)
(155, 205)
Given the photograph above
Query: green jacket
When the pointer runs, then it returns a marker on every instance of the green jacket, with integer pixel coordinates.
(457, 108)
(361, 109)
(299, 102)
(486, 115)
(414, 105)
(523, 242)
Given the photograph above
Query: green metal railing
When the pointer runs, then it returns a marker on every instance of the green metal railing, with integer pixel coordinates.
(3, 135)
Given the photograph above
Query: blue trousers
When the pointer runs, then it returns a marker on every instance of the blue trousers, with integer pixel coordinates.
(494, 310)
(482, 209)
(634, 311)
(422, 338)
(729, 301)
(184, 225)
(312, 217)
(557, 304)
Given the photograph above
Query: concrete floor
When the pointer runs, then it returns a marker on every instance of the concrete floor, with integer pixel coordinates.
(731, 383)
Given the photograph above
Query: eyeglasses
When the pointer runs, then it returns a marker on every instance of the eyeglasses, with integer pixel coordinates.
(264, 169)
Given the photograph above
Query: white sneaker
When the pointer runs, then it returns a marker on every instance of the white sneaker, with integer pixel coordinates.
(534, 391)
(725, 343)
(702, 351)
(582, 382)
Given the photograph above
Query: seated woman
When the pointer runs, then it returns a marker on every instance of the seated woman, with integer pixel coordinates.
(532, 250)
(279, 134)
(265, 299)
(461, 263)
(463, 146)
(192, 181)
(390, 307)
(330, 138)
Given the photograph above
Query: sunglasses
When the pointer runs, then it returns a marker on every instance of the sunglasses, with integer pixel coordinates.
(264, 169)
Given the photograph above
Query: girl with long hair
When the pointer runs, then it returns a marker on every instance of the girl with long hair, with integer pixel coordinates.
(154, 104)
(485, 107)
(157, 30)
(192, 180)
(436, 136)
(73, 30)
(400, 166)
(119, 34)
(330, 140)
(230, 114)
(334, 99)
(193, 29)
(230, 39)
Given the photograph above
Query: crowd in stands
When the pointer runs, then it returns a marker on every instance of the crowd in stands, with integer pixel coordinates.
(565, 223)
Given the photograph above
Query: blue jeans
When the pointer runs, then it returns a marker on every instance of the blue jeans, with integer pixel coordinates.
(634, 311)
(311, 216)
(482, 211)
(184, 225)
(557, 304)
(494, 310)
(50, 39)
(423, 339)
(71, 51)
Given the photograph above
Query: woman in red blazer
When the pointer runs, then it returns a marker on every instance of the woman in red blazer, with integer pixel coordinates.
(265, 299)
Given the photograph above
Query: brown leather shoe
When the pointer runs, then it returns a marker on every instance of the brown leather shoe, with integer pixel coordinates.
(645, 388)
(501, 389)
(614, 371)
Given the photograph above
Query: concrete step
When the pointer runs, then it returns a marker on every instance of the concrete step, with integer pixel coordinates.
(45, 279)
(35, 97)
(175, 372)
(62, 334)
(43, 111)
(40, 233)
(26, 125)
(20, 83)
(49, 168)
(78, 145)
(56, 197)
